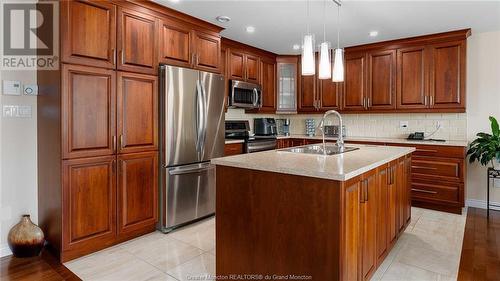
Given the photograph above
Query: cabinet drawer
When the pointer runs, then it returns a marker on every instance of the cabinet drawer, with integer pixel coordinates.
(440, 151)
(435, 191)
(233, 149)
(437, 168)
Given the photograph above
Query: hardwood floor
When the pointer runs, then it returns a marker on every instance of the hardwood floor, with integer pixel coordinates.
(45, 267)
(480, 258)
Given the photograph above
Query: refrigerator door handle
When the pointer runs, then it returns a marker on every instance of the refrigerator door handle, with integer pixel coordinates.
(199, 115)
(191, 169)
(205, 118)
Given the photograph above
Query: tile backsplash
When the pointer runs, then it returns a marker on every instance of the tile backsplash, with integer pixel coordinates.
(453, 125)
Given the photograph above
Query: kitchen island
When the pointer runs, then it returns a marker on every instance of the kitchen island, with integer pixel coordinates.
(289, 216)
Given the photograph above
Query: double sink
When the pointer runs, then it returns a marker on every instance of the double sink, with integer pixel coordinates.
(327, 149)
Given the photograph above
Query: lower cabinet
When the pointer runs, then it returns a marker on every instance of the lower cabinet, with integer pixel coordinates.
(107, 200)
(137, 193)
(233, 149)
(372, 204)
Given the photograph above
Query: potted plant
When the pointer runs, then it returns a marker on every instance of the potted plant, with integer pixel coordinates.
(486, 148)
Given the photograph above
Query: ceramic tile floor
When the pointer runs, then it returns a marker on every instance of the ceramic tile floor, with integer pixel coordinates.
(428, 250)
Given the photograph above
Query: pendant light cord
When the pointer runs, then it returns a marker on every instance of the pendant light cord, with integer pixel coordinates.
(324, 21)
(307, 9)
(338, 27)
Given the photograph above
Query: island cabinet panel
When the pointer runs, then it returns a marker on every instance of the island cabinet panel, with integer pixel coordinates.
(392, 205)
(412, 78)
(401, 185)
(381, 80)
(447, 75)
(88, 111)
(89, 205)
(382, 194)
(369, 206)
(352, 230)
(354, 92)
(137, 205)
(88, 33)
(137, 41)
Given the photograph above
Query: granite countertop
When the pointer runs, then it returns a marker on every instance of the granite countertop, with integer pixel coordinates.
(382, 140)
(339, 167)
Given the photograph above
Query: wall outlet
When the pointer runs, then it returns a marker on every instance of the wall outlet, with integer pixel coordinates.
(403, 124)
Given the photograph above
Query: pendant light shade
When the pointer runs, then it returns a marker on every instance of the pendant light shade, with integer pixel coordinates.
(338, 66)
(308, 61)
(325, 62)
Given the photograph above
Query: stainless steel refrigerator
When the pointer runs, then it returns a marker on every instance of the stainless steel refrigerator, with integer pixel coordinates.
(191, 133)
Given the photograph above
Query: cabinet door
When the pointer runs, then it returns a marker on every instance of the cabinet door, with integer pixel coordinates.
(88, 33)
(407, 191)
(329, 94)
(207, 51)
(412, 78)
(223, 70)
(175, 43)
(307, 95)
(252, 69)
(392, 205)
(89, 204)
(400, 186)
(287, 84)
(137, 193)
(382, 215)
(369, 224)
(354, 83)
(382, 80)
(137, 42)
(236, 64)
(137, 112)
(88, 111)
(352, 233)
(268, 81)
(447, 75)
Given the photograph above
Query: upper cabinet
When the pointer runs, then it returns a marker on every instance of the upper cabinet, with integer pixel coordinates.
(252, 68)
(355, 97)
(207, 51)
(243, 66)
(137, 42)
(268, 72)
(88, 33)
(287, 67)
(412, 80)
(381, 90)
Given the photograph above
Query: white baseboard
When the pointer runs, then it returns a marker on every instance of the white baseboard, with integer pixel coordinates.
(482, 204)
(5, 250)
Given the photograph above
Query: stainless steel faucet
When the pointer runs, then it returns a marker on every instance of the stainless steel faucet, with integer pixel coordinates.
(340, 140)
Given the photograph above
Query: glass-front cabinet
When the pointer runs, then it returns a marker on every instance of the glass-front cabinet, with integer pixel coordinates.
(287, 84)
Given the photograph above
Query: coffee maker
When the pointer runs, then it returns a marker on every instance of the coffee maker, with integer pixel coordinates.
(264, 127)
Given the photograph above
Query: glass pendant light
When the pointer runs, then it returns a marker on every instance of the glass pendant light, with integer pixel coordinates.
(325, 63)
(338, 61)
(307, 59)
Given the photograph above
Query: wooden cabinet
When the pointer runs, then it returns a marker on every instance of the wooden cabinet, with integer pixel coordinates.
(175, 43)
(381, 90)
(382, 197)
(287, 80)
(252, 68)
(392, 205)
(268, 82)
(207, 51)
(369, 204)
(89, 204)
(184, 46)
(352, 234)
(243, 66)
(88, 111)
(137, 205)
(137, 112)
(354, 92)
(329, 94)
(137, 42)
(307, 101)
(447, 75)
(88, 33)
(412, 78)
(233, 149)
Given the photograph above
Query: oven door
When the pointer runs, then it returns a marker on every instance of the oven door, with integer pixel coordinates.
(245, 95)
(260, 145)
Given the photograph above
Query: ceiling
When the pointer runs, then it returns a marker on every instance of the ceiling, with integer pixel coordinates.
(280, 24)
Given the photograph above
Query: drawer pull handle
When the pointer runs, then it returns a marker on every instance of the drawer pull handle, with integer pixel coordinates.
(424, 191)
(426, 150)
(423, 167)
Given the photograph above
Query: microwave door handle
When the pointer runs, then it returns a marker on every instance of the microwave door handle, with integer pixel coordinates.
(255, 97)
(199, 115)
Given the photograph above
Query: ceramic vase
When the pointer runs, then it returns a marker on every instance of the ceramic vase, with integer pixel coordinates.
(26, 239)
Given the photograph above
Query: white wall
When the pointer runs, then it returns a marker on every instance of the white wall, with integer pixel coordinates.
(483, 100)
(18, 163)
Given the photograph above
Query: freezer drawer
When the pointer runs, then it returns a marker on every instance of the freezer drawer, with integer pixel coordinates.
(189, 192)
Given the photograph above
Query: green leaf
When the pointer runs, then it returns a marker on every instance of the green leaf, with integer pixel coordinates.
(495, 129)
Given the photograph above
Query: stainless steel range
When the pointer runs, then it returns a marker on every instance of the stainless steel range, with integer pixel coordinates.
(240, 129)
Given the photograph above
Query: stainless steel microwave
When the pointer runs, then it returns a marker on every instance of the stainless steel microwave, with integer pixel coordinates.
(244, 95)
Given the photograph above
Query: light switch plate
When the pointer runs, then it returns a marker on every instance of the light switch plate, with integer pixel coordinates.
(31, 90)
(12, 88)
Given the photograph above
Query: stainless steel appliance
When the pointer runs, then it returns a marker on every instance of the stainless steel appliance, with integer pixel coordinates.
(264, 126)
(240, 129)
(245, 95)
(191, 133)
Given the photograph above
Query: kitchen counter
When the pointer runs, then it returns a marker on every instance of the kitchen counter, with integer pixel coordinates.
(339, 167)
(381, 140)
